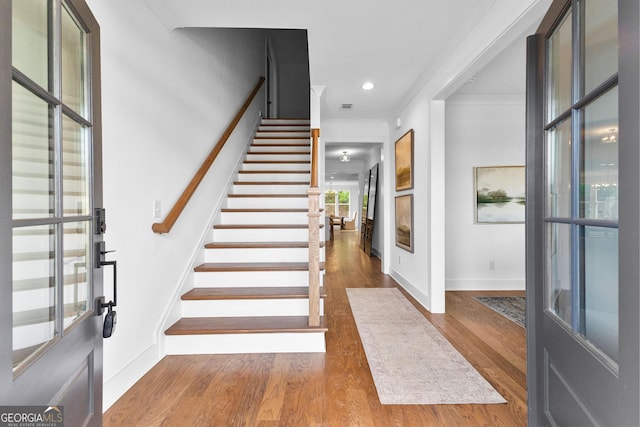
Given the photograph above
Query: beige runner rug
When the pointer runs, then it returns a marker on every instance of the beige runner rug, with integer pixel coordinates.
(410, 361)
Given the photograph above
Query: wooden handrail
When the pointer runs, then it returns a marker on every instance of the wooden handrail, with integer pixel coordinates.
(315, 134)
(166, 225)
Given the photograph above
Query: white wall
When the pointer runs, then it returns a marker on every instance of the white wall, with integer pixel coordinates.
(423, 272)
(167, 98)
(481, 131)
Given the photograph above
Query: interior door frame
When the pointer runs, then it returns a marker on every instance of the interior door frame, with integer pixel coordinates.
(629, 213)
(43, 385)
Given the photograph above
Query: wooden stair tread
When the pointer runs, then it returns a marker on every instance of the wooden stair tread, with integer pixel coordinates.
(287, 162)
(239, 325)
(275, 172)
(284, 144)
(279, 137)
(258, 245)
(254, 266)
(277, 153)
(271, 292)
(258, 210)
(262, 226)
(272, 183)
(285, 124)
(267, 195)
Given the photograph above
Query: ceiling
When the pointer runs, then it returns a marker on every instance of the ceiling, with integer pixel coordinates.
(395, 45)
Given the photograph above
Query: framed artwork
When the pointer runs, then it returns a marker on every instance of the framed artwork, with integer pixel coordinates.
(499, 194)
(404, 162)
(404, 222)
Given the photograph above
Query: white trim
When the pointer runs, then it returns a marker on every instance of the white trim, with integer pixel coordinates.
(419, 296)
(486, 100)
(125, 378)
(485, 285)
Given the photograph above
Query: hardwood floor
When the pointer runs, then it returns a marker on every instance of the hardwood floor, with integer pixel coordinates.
(335, 388)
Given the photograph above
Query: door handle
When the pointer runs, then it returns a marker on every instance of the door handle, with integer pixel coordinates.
(110, 319)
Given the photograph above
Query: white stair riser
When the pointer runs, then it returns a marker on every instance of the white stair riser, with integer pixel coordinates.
(261, 254)
(286, 135)
(272, 177)
(276, 167)
(270, 189)
(274, 140)
(268, 202)
(308, 342)
(243, 279)
(248, 308)
(270, 148)
(279, 157)
(264, 218)
(284, 127)
(260, 235)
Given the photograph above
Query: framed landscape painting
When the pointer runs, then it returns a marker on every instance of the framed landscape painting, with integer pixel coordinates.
(404, 222)
(499, 194)
(404, 162)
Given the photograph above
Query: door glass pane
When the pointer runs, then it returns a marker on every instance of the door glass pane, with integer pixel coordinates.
(559, 170)
(76, 269)
(601, 42)
(30, 47)
(32, 155)
(33, 290)
(559, 71)
(601, 288)
(74, 75)
(559, 268)
(75, 168)
(599, 189)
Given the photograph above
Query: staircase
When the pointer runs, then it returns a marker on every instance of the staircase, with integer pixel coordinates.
(251, 293)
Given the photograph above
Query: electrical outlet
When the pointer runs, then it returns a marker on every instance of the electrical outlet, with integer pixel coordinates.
(492, 265)
(157, 209)
(399, 259)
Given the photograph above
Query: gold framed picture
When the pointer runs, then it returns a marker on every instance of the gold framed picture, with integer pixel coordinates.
(404, 222)
(404, 162)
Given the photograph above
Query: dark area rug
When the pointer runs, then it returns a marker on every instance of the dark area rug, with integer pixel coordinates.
(513, 308)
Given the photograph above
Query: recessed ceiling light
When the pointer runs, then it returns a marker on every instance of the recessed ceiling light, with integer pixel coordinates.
(368, 86)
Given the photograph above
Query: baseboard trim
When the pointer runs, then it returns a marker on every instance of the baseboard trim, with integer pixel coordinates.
(417, 294)
(485, 285)
(123, 380)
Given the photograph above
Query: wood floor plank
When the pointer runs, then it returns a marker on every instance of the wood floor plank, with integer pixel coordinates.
(335, 388)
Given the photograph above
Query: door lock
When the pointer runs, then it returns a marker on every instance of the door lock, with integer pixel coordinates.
(110, 319)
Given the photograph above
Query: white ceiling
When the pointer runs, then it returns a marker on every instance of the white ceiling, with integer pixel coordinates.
(396, 45)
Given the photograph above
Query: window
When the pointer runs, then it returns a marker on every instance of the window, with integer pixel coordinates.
(338, 203)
